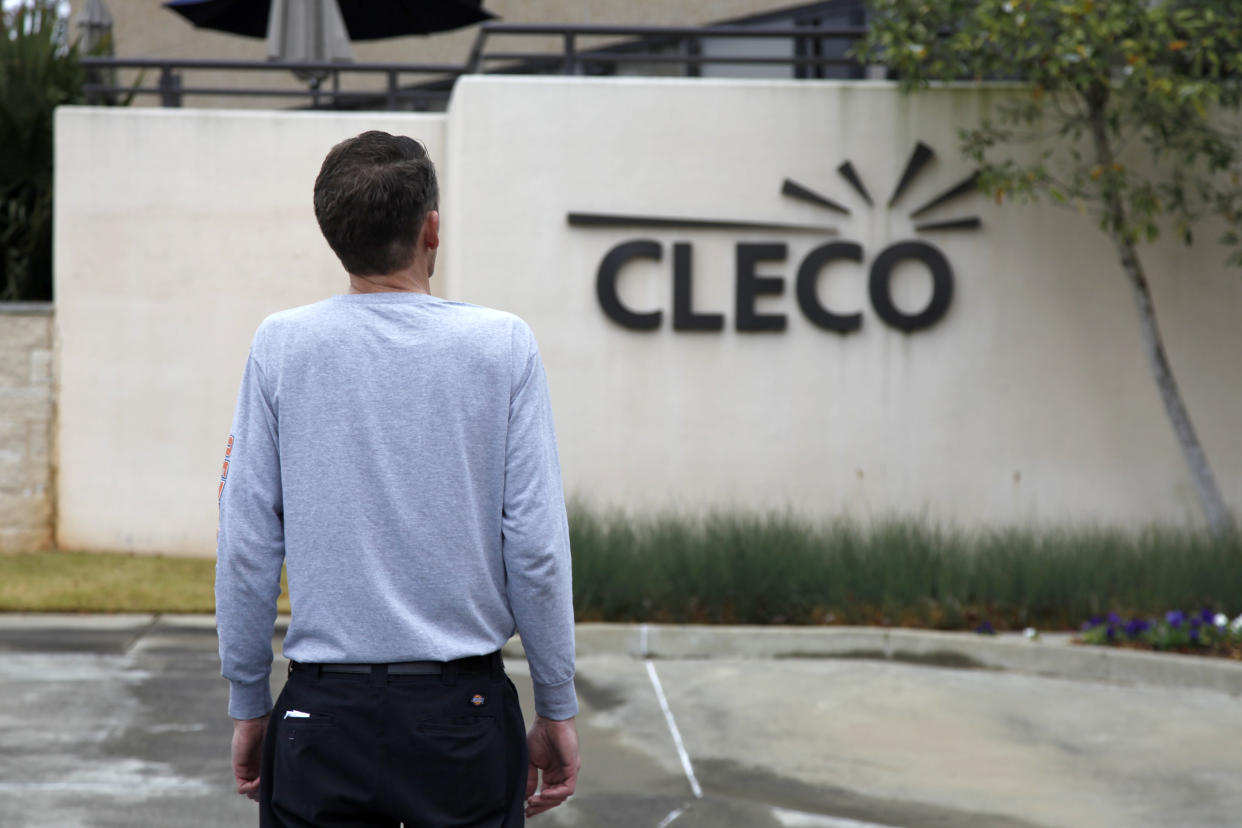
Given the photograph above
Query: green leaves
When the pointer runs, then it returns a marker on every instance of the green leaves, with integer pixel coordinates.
(39, 70)
(1157, 87)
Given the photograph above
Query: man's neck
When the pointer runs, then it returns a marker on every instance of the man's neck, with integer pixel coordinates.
(409, 280)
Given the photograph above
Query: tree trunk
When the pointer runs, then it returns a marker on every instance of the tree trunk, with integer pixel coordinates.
(1214, 507)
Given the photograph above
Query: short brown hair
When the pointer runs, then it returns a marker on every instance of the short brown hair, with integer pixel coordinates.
(371, 197)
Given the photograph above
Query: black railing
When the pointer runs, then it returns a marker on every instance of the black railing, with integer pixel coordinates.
(171, 88)
(571, 58)
(635, 45)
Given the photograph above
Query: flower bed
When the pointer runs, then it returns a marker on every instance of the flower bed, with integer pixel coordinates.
(1205, 633)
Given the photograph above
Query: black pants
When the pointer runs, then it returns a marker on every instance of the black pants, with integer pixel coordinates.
(429, 751)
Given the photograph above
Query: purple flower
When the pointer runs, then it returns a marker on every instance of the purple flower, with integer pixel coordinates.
(1206, 616)
(1112, 633)
(1175, 618)
(1096, 620)
(1114, 618)
(985, 628)
(1195, 624)
(1137, 627)
(1194, 632)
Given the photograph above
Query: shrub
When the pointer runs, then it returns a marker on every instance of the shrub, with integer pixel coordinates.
(39, 70)
(779, 569)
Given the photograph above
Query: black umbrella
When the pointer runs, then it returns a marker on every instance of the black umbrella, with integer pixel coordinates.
(365, 19)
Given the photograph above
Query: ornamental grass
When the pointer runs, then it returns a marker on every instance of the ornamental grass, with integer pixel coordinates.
(734, 568)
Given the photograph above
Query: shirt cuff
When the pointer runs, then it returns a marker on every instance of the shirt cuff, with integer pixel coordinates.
(556, 701)
(249, 700)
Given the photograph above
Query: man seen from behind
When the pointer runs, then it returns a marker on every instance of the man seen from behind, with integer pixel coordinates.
(396, 452)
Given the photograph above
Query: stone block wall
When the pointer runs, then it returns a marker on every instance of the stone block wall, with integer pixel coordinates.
(27, 412)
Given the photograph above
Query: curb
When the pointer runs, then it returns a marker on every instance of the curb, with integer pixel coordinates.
(1051, 654)
(1048, 655)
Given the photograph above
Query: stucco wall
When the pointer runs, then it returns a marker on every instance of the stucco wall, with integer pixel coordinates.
(1029, 402)
(177, 232)
(27, 410)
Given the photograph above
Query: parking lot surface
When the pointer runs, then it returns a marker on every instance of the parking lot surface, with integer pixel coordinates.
(119, 721)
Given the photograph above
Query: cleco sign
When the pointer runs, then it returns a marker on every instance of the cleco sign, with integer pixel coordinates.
(750, 285)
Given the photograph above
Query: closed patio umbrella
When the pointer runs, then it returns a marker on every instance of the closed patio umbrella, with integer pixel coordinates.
(364, 19)
(307, 30)
(320, 30)
(95, 23)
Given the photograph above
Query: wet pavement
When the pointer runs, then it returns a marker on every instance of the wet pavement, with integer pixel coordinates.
(119, 721)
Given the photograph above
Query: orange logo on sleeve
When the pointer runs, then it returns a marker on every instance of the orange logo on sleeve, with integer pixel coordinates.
(224, 472)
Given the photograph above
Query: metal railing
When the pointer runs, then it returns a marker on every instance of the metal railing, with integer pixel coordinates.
(571, 59)
(171, 88)
(635, 45)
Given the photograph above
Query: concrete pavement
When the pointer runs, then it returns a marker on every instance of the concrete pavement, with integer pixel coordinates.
(119, 721)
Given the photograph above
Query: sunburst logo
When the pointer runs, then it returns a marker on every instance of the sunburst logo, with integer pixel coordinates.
(919, 159)
(750, 285)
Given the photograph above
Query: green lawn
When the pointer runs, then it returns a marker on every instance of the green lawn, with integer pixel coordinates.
(99, 582)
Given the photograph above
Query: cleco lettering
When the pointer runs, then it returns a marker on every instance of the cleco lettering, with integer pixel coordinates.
(751, 285)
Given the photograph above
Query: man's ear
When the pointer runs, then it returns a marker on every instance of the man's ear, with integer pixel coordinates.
(431, 230)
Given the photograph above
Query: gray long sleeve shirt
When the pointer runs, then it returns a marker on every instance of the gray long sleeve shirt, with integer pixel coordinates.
(397, 452)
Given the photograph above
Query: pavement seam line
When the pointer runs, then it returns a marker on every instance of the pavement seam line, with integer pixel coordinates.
(142, 633)
(671, 818)
(672, 729)
(789, 816)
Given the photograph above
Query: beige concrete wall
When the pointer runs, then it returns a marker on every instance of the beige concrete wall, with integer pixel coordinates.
(27, 412)
(1030, 402)
(144, 29)
(177, 232)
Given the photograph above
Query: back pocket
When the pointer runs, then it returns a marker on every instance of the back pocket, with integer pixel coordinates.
(459, 764)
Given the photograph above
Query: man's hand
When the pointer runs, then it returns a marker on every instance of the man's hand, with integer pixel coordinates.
(248, 754)
(553, 750)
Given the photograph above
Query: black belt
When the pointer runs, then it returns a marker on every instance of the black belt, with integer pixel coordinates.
(469, 664)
